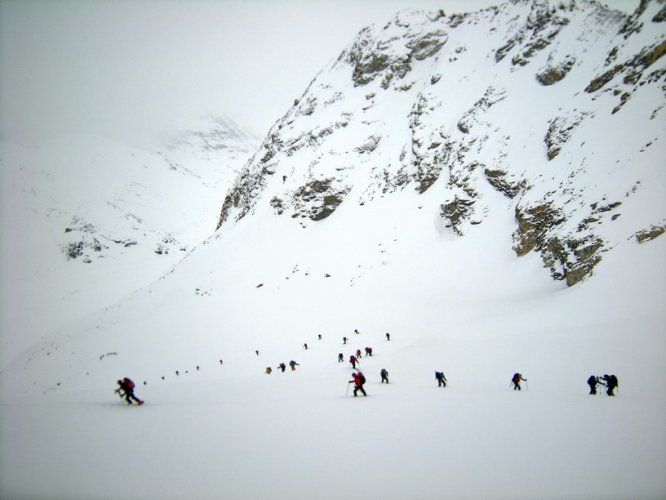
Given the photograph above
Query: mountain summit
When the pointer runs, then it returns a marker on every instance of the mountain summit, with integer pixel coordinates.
(555, 107)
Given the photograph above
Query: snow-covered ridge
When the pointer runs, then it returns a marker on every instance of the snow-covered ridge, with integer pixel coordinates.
(556, 105)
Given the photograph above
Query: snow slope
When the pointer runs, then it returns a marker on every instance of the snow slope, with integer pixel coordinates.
(455, 298)
(85, 220)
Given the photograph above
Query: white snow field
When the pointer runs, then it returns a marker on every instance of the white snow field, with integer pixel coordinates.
(230, 431)
(380, 157)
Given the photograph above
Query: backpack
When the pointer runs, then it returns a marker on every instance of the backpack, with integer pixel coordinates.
(438, 375)
(361, 378)
(128, 383)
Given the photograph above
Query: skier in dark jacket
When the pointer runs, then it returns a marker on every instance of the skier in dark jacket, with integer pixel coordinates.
(517, 377)
(341, 357)
(358, 380)
(611, 384)
(126, 389)
(384, 375)
(282, 367)
(441, 379)
(593, 382)
(293, 365)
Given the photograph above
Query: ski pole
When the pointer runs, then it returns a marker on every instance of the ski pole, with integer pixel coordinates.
(347, 392)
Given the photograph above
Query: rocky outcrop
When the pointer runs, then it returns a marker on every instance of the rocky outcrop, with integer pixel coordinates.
(650, 233)
(501, 182)
(554, 73)
(559, 132)
(315, 200)
(456, 212)
(542, 27)
(569, 258)
(634, 70)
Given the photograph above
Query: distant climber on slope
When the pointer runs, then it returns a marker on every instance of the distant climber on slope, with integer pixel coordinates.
(611, 384)
(517, 377)
(441, 379)
(126, 390)
(593, 382)
(384, 375)
(293, 365)
(353, 361)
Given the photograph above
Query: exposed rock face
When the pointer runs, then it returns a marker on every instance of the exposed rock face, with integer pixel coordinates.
(650, 233)
(460, 109)
(315, 200)
(553, 73)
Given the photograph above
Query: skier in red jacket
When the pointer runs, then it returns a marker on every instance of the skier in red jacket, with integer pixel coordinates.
(126, 390)
(358, 380)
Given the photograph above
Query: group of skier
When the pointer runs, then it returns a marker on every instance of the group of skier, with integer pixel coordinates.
(609, 381)
(126, 386)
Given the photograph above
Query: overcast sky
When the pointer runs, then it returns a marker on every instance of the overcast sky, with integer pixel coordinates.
(130, 69)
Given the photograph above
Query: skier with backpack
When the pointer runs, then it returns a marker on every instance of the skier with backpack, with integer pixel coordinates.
(126, 390)
(384, 375)
(611, 384)
(353, 361)
(359, 381)
(517, 377)
(593, 382)
(441, 379)
(293, 365)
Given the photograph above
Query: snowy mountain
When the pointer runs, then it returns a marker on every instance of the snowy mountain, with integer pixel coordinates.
(80, 211)
(555, 106)
(429, 183)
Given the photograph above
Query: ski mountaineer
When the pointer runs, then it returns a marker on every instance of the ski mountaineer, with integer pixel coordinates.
(611, 384)
(293, 365)
(517, 377)
(341, 357)
(269, 370)
(388, 336)
(592, 382)
(441, 379)
(282, 367)
(353, 361)
(359, 380)
(126, 390)
(384, 375)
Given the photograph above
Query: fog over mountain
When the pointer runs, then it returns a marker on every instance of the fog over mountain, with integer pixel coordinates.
(478, 193)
